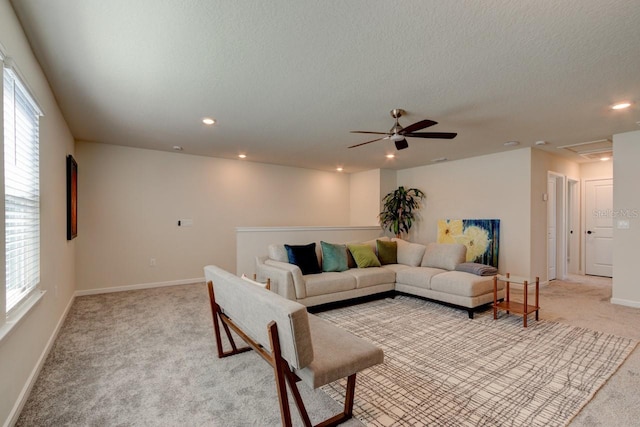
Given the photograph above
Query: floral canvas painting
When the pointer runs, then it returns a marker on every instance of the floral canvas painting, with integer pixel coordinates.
(480, 236)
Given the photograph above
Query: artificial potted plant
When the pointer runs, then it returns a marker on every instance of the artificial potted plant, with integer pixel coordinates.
(399, 208)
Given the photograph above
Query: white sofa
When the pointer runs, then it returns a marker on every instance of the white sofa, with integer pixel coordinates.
(426, 271)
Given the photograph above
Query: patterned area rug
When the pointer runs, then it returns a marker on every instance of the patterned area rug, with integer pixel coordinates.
(444, 369)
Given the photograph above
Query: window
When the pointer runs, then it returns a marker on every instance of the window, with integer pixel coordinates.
(21, 189)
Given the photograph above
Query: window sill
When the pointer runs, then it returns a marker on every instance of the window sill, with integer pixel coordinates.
(16, 316)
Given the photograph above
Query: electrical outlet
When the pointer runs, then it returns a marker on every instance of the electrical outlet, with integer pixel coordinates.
(152, 262)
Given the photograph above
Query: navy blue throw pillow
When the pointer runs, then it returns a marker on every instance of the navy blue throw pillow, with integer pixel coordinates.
(304, 256)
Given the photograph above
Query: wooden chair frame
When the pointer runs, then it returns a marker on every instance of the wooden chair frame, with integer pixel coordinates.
(283, 373)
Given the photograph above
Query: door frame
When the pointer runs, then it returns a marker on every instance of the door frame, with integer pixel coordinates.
(561, 225)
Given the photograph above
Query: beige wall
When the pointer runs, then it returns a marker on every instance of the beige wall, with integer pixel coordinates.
(365, 197)
(626, 199)
(28, 341)
(596, 170)
(492, 186)
(252, 242)
(131, 200)
(366, 191)
(542, 163)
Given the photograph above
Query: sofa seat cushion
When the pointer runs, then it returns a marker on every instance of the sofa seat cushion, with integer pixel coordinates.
(371, 276)
(418, 276)
(328, 283)
(337, 354)
(395, 267)
(463, 284)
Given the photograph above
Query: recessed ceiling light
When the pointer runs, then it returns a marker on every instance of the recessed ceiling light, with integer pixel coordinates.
(208, 121)
(621, 106)
(541, 142)
(177, 148)
(242, 156)
(391, 156)
(339, 169)
(511, 143)
(604, 159)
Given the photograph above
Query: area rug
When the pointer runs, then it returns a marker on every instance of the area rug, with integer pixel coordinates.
(443, 369)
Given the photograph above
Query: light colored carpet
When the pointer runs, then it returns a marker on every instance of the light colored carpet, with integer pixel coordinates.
(148, 358)
(444, 369)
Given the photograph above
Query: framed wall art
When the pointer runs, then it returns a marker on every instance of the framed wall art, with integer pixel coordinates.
(72, 197)
(480, 236)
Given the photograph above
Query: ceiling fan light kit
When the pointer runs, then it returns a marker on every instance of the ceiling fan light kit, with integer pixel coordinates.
(398, 134)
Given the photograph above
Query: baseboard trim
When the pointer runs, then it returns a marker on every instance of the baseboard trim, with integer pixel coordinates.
(108, 290)
(26, 390)
(625, 302)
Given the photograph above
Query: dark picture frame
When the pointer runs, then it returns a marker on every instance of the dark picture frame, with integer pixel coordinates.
(72, 198)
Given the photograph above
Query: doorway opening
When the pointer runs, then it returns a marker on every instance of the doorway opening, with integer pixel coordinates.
(557, 253)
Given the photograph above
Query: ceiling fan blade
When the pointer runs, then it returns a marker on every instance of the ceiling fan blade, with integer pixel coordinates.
(364, 131)
(417, 126)
(439, 135)
(368, 142)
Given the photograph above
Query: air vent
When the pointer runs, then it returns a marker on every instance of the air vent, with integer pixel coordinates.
(597, 155)
(592, 150)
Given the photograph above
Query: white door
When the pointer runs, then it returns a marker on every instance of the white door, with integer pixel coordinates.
(551, 228)
(599, 227)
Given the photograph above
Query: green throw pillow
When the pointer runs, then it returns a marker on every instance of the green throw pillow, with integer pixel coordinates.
(364, 256)
(387, 252)
(334, 257)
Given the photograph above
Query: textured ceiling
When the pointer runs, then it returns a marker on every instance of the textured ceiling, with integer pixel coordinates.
(288, 80)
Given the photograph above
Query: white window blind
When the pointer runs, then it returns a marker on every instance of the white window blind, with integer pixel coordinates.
(22, 190)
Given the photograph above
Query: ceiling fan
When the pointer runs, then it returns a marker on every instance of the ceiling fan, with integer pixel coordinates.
(397, 133)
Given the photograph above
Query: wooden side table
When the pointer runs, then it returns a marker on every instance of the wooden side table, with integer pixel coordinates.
(509, 306)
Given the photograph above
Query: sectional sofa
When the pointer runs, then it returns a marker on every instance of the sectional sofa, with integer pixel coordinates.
(430, 271)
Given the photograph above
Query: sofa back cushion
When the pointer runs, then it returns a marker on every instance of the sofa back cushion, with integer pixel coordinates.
(252, 308)
(444, 255)
(409, 253)
(277, 252)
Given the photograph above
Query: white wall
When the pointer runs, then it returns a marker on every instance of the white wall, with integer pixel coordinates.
(496, 186)
(27, 344)
(626, 199)
(131, 199)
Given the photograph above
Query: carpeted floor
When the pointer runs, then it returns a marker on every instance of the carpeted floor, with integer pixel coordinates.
(441, 369)
(147, 358)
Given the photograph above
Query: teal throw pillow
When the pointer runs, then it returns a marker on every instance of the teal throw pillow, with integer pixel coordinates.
(364, 256)
(304, 256)
(387, 252)
(334, 257)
